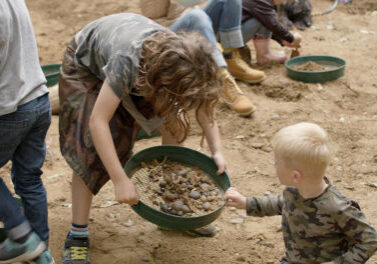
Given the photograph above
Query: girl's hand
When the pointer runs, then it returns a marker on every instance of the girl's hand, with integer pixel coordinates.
(220, 162)
(126, 192)
(235, 199)
(328, 262)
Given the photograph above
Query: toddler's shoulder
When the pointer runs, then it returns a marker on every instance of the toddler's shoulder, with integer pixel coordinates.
(336, 203)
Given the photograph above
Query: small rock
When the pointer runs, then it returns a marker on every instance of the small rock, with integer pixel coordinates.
(177, 205)
(194, 195)
(110, 215)
(257, 145)
(374, 185)
(186, 209)
(275, 116)
(183, 172)
(144, 259)
(207, 206)
(236, 221)
(241, 258)
(128, 223)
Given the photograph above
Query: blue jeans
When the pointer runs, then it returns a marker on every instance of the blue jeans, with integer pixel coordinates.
(197, 20)
(22, 140)
(226, 21)
(253, 29)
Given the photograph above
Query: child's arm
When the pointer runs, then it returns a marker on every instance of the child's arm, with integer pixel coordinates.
(212, 134)
(355, 226)
(256, 206)
(104, 109)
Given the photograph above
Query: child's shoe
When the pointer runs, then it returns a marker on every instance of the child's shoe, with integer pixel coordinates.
(44, 258)
(76, 250)
(11, 251)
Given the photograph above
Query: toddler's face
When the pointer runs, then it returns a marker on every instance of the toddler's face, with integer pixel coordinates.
(283, 171)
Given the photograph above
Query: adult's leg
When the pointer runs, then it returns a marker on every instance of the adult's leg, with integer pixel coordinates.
(226, 20)
(253, 29)
(197, 20)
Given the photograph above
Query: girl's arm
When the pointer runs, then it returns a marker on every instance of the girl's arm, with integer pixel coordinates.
(212, 135)
(104, 109)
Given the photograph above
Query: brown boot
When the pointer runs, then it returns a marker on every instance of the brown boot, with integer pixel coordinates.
(233, 95)
(241, 70)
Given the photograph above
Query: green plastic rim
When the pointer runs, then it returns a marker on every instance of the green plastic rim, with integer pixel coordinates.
(188, 157)
(51, 72)
(338, 65)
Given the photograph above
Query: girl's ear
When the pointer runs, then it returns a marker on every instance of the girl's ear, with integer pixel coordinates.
(296, 176)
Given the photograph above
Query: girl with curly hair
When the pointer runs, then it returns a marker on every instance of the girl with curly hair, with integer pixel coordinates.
(121, 73)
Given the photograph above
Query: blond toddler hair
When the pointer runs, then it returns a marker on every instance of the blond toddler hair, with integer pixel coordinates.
(303, 146)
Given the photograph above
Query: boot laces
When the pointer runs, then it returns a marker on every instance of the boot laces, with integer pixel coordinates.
(230, 89)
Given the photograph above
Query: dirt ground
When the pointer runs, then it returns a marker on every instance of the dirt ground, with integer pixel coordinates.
(346, 108)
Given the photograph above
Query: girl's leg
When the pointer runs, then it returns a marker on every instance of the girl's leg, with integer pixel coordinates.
(81, 201)
(76, 245)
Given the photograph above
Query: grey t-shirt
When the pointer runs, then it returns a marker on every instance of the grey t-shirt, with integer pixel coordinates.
(21, 77)
(109, 48)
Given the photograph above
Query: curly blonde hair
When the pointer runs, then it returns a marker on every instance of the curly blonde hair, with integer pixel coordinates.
(177, 74)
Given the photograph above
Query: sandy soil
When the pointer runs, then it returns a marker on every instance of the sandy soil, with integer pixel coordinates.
(346, 108)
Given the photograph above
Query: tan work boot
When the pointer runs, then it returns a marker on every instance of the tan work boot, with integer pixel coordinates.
(241, 70)
(233, 96)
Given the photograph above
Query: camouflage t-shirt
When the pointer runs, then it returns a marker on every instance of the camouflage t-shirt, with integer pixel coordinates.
(109, 48)
(327, 228)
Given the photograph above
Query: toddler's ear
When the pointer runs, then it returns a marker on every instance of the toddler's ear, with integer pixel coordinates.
(297, 176)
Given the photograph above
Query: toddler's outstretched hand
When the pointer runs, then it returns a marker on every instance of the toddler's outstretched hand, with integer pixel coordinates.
(235, 199)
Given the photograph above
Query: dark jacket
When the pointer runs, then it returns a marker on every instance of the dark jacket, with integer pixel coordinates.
(264, 12)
